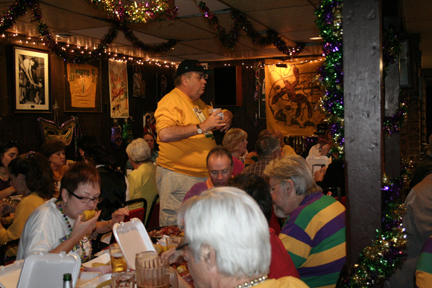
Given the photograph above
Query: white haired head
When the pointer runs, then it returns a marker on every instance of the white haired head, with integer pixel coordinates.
(229, 221)
(138, 150)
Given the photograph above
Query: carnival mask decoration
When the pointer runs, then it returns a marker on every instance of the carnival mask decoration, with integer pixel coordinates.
(63, 133)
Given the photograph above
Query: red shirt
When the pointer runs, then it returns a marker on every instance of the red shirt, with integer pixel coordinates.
(281, 263)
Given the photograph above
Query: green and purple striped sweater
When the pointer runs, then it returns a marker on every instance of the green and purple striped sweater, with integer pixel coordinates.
(314, 236)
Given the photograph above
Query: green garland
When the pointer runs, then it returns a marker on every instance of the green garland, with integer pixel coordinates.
(20, 7)
(230, 39)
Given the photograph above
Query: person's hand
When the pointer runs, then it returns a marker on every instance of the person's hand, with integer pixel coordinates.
(173, 256)
(81, 229)
(119, 215)
(227, 120)
(325, 149)
(213, 121)
(6, 209)
(319, 174)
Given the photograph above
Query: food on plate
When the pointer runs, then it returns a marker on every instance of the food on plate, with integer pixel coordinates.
(98, 264)
(159, 248)
(167, 230)
(88, 214)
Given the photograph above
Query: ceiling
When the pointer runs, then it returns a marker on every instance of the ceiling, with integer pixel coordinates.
(294, 20)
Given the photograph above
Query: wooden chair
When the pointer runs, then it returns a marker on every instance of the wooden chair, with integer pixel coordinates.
(153, 218)
(139, 212)
(3, 248)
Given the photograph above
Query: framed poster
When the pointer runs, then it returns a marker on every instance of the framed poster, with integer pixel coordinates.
(31, 80)
(83, 87)
(118, 87)
(138, 83)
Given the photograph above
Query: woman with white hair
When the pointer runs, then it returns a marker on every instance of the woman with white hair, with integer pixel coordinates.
(228, 241)
(314, 234)
(142, 180)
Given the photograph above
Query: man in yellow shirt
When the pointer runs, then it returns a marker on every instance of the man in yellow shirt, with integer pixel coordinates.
(183, 126)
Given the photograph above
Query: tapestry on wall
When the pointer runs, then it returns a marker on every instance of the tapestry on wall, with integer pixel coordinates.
(82, 82)
(293, 96)
(139, 83)
(118, 85)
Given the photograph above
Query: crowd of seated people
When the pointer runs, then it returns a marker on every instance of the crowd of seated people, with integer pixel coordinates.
(310, 246)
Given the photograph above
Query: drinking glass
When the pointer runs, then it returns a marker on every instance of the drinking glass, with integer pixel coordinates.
(118, 261)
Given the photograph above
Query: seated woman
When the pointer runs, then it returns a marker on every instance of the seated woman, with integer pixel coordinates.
(151, 141)
(8, 151)
(114, 185)
(142, 180)
(58, 225)
(235, 141)
(54, 151)
(228, 243)
(31, 176)
(281, 263)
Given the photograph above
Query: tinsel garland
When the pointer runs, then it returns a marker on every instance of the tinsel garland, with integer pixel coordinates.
(137, 12)
(20, 7)
(378, 261)
(391, 47)
(257, 93)
(329, 22)
(394, 123)
(230, 39)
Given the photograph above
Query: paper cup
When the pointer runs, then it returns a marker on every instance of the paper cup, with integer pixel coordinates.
(217, 110)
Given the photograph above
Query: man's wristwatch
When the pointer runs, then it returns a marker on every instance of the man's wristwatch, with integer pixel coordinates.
(200, 131)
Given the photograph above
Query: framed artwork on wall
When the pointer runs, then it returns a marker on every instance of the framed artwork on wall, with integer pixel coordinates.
(83, 87)
(31, 80)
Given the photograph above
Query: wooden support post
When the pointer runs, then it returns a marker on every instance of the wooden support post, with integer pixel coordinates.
(363, 121)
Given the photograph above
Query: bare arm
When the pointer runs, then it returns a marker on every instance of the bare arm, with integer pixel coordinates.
(79, 230)
(7, 192)
(177, 133)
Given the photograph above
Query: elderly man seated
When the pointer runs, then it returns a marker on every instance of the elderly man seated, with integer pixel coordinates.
(228, 241)
(314, 234)
(220, 167)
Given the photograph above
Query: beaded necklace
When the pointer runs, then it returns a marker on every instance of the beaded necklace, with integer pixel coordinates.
(84, 255)
(252, 282)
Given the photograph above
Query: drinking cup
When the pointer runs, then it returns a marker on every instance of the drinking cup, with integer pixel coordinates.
(218, 110)
(123, 280)
(118, 261)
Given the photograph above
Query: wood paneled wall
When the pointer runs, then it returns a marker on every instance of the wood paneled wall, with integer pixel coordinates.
(24, 127)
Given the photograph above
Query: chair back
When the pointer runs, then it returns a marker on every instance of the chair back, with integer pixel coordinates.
(153, 218)
(136, 213)
(315, 163)
(139, 212)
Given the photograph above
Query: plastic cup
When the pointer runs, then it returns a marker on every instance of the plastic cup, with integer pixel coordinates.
(123, 280)
(217, 110)
(118, 261)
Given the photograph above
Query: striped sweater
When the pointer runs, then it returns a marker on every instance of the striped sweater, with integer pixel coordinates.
(424, 266)
(314, 236)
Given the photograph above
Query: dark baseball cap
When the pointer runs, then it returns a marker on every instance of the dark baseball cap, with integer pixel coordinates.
(189, 66)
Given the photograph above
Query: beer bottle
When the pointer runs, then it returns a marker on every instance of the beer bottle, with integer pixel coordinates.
(67, 280)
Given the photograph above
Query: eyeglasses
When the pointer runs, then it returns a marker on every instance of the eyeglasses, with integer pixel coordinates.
(223, 172)
(87, 199)
(274, 185)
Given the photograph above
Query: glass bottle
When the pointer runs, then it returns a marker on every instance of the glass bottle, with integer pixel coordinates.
(67, 280)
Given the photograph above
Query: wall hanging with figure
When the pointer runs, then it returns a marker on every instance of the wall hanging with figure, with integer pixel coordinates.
(118, 85)
(31, 80)
(293, 96)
